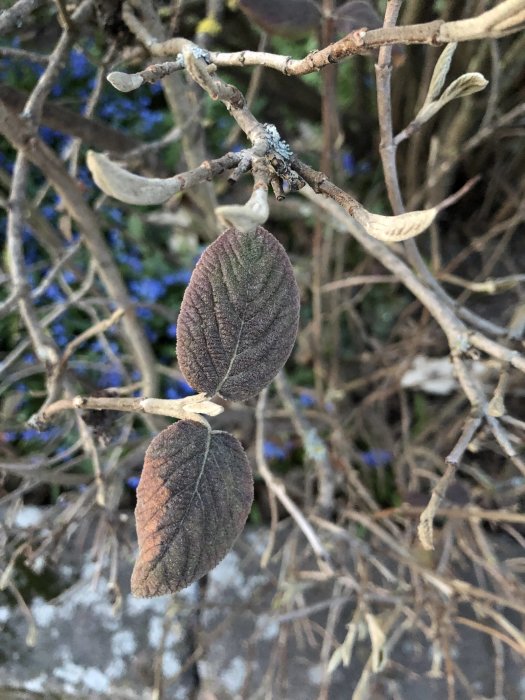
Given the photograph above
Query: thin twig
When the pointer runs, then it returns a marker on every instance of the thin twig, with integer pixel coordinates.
(280, 492)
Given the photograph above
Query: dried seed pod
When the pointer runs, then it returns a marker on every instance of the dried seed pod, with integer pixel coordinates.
(194, 496)
(239, 316)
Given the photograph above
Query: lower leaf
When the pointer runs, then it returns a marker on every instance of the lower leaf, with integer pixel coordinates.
(194, 496)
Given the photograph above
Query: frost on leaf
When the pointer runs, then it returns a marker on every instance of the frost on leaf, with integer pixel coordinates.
(194, 496)
(239, 316)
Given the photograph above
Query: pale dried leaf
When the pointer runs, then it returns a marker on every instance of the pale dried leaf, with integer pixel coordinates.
(466, 84)
(343, 653)
(124, 82)
(245, 217)
(440, 72)
(118, 182)
(377, 639)
(395, 228)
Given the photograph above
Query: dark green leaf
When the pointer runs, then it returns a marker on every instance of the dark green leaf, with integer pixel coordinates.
(194, 495)
(239, 316)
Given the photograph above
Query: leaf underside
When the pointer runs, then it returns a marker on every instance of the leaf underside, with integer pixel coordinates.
(239, 316)
(194, 496)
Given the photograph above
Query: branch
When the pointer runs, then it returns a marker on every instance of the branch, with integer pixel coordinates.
(92, 132)
(189, 407)
(425, 528)
(14, 16)
(459, 336)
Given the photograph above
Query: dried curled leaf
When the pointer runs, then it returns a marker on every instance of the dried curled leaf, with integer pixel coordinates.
(466, 84)
(193, 499)
(127, 187)
(239, 316)
(125, 82)
(245, 217)
(440, 73)
(395, 228)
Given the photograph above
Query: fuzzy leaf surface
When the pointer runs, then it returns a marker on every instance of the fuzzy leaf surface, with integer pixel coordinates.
(239, 316)
(194, 495)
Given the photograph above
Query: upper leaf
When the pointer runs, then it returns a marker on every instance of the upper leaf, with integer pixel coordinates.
(239, 316)
(194, 496)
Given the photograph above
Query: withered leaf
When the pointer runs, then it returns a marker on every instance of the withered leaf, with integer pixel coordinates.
(239, 316)
(194, 496)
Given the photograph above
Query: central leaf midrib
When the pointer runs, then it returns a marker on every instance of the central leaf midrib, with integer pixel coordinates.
(239, 333)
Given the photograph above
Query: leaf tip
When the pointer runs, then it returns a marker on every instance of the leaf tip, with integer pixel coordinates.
(124, 82)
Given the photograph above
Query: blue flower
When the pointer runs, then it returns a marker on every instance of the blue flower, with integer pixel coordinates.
(349, 164)
(85, 176)
(133, 482)
(50, 136)
(376, 458)
(57, 90)
(149, 289)
(59, 334)
(171, 331)
(306, 400)
(115, 238)
(146, 314)
(54, 293)
(173, 393)
(181, 277)
(132, 261)
(69, 276)
(274, 451)
(80, 66)
(185, 388)
(115, 214)
(49, 211)
(6, 162)
(111, 378)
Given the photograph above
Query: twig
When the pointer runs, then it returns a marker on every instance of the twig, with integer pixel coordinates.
(314, 448)
(35, 103)
(14, 15)
(280, 492)
(426, 521)
(99, 327)
(189, 407)
(44, 347)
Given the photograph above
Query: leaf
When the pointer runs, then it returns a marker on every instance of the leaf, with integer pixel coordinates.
(127, 187)
(245, 217)
(239, 316)
(194, 496)
(466, 84)
(356, 14)
(377, 639)
(125, 82)
(395, 228)
(440, 73)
